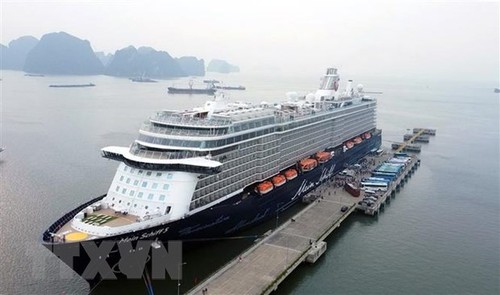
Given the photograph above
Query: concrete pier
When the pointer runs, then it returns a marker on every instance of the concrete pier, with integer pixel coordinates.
(261, 268)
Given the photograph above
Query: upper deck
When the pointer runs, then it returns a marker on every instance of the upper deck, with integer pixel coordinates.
(190, 119)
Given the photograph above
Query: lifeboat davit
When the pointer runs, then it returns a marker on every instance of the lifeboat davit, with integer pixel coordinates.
(349, 144)
(290, 174)
(357, 140)
(323, 157)
(265, 187)
(308, 164)
(278, 180)
(367, 135)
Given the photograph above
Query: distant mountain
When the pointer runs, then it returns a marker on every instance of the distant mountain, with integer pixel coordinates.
(221, 66)
(63, 54)
(13, 57)
(191, 66)
(104, 58)
(143, 62)
(3, 55)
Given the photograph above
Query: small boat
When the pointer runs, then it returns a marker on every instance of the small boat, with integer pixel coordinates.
(349, 144)
(211, 81)
(72, 85)
(308, 164)
(367, 135)
(2, 149)
(265, 187)
(357, 140)
(231, 87)
(323, 157)
(290, 174)
(143, 80)
(34, 75)
(278, 180)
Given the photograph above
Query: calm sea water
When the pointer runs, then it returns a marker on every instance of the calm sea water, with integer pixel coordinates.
(440, 235)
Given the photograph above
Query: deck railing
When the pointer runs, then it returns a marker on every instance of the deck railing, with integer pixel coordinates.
(47, 235)
(187, 120)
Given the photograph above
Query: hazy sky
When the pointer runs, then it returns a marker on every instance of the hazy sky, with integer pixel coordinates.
(429, 39)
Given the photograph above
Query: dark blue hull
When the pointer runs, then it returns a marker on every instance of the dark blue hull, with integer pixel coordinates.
(226, 218)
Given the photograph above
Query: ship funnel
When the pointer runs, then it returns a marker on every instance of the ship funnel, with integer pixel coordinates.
(329, 84)
(330, 81)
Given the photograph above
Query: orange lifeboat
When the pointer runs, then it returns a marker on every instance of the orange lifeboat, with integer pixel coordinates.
(308, 164)
(357, 140)
(265, 187)
(323, 157)
(367, 135)
(349, 144)
(290, 174)
(278, 180)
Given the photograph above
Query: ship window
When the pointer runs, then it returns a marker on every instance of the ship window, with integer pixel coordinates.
(150, 196)
(132, 193)
(139, 195)
(117, 188)
(148, 173)
(155, 186)
(113, 199)
(121, 178)
(136, 182)
(168, 209)
(140, 171)
(144, 183)
(128, 204)
(169, 176)
(125, 168)
(124, 191)
(132, 170)
(162, 197)
(146, 207)
(128, 180)
(119, 201)
(135, 205)
(158, 174)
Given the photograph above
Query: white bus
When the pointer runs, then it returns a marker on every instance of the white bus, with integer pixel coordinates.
(374, 186)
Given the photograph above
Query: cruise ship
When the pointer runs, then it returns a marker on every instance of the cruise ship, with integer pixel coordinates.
(214, 170)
